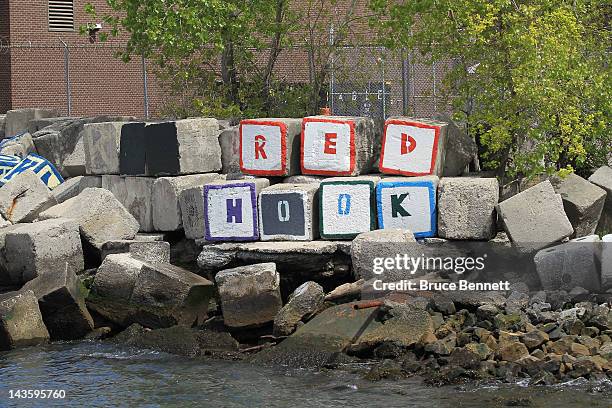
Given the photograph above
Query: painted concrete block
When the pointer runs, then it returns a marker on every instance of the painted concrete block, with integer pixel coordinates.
(186, 146)
(337, 145)
(347, 207)
(413, 147)
(135, 194)
(289, 212)
(132, 151)
(7, 163)
(39, 166)
(606, 262)
(101, 142)
(20, 145)
(230, 210)
(408, 203)
(270, 147)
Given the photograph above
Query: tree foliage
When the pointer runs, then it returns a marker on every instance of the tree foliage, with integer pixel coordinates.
(531, 77)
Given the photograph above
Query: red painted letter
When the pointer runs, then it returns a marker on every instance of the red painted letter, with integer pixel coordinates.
(330, 143)
(260, 142)
(408, 144)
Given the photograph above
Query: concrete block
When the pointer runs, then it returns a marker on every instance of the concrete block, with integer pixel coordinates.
(303, 179)
(583, 202)
(61, 298)
(21, 323)
(101, 142)
(413, 147)
(338, 146)
(7, 163)
(535, 218)
(230, 210)
(191, 201)
(150, 251)
(270, 147)
(606, 262)
(17, 120)
(603, 178)
(4, 222)
(167, 215)
(136, 195)
(304, 302)
(74, 162)
(38, 165)
(575, 263)
(132, 151)
(75, 186)
(460, 148)
(32, 250)
(229, 141)
(60, 141)
(379, 244)
(117, 276)
(20, 145)
(24, 197)
(2, 122)
(186, 146)
(289, 212)
(466, 208)
(100, 216)
(38, 124)
(250, 295)
(347, 207)
(408, 203)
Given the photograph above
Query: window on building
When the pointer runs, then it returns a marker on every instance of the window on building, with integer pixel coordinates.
(61, 15)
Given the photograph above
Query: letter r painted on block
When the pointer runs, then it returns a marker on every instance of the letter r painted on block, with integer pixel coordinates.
(234, 210)
(396, 205)
(344, 204)
(330, 143)
(260, 143)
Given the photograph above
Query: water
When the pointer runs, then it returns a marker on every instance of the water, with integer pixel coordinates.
(99, 374)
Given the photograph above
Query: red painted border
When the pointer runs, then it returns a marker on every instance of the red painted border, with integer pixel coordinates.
(352, 147)
(283, 129)
(434, 153)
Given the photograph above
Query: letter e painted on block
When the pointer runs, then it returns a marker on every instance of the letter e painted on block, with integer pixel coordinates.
(330, 143)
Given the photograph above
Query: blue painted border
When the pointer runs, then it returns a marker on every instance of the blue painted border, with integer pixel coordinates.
(35, 169)
(432, 203)
(251, 186)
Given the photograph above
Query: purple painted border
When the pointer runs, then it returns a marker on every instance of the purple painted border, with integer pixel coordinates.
(207, 235)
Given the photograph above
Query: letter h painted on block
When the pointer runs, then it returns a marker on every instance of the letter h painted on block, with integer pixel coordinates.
(234, 210)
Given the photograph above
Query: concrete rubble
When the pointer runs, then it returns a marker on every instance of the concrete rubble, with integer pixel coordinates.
(24, 198)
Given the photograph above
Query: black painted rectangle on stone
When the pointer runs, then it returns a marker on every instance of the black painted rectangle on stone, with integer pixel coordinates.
(132, 154)
(283, 214)
(162, 149)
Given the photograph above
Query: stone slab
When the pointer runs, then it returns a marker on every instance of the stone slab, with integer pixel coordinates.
(371, 245)
(16, 120)
(20, 145)
(75, 186)
(460, 148)
(101, 142)
(136, 195)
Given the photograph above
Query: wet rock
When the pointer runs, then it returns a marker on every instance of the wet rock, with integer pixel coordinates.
(21, 323)
(512, 351)
(250, 295)
(303, 302)
(543, 377)
(480, 349)
(24, 198)
(534, 339)
(387, 369)
(444, 346)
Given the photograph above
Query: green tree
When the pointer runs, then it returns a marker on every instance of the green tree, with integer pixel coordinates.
(532, 77)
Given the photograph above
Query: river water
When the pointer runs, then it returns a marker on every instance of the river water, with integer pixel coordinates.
(96, 374)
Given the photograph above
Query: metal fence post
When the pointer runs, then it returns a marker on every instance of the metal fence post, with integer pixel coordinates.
(404, 82)
(384, 87)
(67, 77)
(331, 74)
(145, 84)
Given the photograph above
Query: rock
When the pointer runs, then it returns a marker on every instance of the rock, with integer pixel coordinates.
(480, 349)
(338, 145)
(167, 215)
(302, 304)
(101, 143)
(606, 262)
(603, 178)
(229, 140)
(346, 290)
(45, 247)
(150, 251)
(535, 218)
(270, 147)
(116, 277)
(3, 222)
(346, 206)
(577, 350)
(20, 145)
(186, 146)
(516, 302)
(102, 219)
(289, 212)
(24, 198)
(16, 121)
(37, 124)
(583, 202)
(370, 247)
(534, 339)
(61, 298)
(132, 150)
(460, 147)
(75, 186)
(250, 295)
(513, 351)
(413, 147)
(21, 324)
(466, 208)
(135, 194)
(444, 346)
(462, 357)
(575, 263)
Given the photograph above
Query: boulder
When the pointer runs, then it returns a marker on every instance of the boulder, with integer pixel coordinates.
(51, 246)
(100, 216)
(186, 146)
(17, 120)
(466, 208)
(21, 323)
(61, 298)
(167, 215)
(535, 218)
(101, 143)
(75, 186)
(24, 198)
(135, 194)
(369, 247)
(302, 304)
(603, 178)
(150, 251)
(250, 295)
(583, 202)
